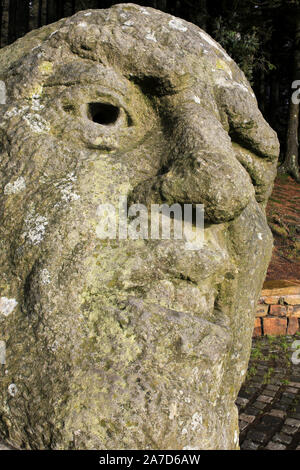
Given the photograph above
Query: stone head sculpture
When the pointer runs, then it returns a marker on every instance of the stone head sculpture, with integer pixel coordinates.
(129, 344)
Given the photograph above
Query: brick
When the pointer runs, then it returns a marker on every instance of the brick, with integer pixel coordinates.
(288, 429)
(245, 393)
(261, 366)
(276, 299)
(295, 381)
(292, 390)
(249, 445)
(271, 420)
(271, 300)
(278, 413)
(287, 394)
(251, 411)
(289, 311)
(257, 331)
(282, 438)
(265, 399)
(278, 310)
(262, 310)
(287, 402)
(270, 393)
(296, 311)
(257, 436)
(280, 287)
(281, 406)
(251, 390)
(260, 405)
(292, 299)
(272, 387)
(275, 446)
(293, 326)
(243, 425)
(242, 401)
(274, 326)
(292, 422)
(248, 418)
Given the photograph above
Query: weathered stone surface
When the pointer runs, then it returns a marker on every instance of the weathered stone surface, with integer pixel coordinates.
(296, 311)
(262, 310)
(281, 310)
(292, 299)
(127, 343)
(281, 288)
(272, 300)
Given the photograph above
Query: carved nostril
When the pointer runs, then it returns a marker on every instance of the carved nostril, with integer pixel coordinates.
(103, 113)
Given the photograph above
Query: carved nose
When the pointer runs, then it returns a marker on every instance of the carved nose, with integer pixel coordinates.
(201, 169)
(205, 169)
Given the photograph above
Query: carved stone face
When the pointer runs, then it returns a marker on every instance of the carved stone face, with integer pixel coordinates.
(127, 343)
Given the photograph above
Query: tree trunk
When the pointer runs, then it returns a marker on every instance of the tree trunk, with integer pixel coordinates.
(291, 163)
(18, 19)
(68, 8)
(1, 12)
(262, 91)
(4, 23)
(51, 11)
(274, 100)
(34, 14)
(202, 15)
(43, 12)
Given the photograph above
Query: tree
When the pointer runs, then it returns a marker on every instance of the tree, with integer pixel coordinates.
(34, 14)
(4, 22)
(291, 161)
(18, 19)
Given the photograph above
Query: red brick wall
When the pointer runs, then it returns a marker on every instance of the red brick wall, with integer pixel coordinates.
(278, 310)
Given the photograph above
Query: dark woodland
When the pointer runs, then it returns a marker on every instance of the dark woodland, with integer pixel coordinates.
(263, 37)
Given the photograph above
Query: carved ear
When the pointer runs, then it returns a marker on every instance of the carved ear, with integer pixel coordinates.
(247, 124)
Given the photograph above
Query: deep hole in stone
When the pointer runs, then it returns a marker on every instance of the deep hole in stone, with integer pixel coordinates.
(103, 113)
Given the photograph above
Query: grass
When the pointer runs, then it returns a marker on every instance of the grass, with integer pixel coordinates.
(273, 352)
(268, 375)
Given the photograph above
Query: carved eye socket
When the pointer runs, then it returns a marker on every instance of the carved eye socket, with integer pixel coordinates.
(103, 113)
